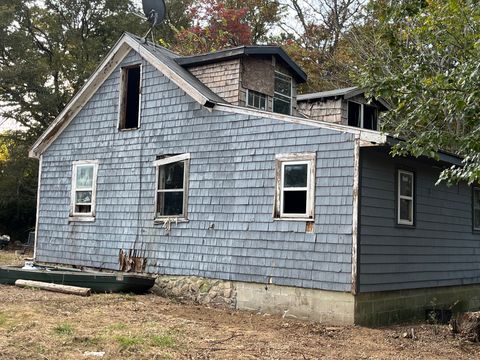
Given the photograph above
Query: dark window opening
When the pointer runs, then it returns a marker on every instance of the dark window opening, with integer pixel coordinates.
(354, 114)
(369, 117)
(257, 100)
(295, 202)
(130, 103)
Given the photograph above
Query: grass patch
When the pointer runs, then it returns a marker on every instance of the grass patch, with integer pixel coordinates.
(162, 341)
(3, 319)
(117, 326)
(63, 329)
(127, 342)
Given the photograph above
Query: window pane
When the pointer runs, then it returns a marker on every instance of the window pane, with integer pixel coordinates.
(353, 114)
(84, 177)
(406, 210)
(369, 117)
(295, 175)
(81, 209)
(170, 203)
(406, 184)
(83, 197)
(476, 198)
(171, 176)
(283, 84)
(294, 202)
(281, 106)
(476, 220)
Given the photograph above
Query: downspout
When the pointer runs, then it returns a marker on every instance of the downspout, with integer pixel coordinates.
(355, 215)
(40, 163)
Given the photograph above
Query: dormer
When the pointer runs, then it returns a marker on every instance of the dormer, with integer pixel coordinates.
(342, 106)
(262, 77)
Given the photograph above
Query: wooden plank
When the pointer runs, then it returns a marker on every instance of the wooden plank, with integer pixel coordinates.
(64, 289)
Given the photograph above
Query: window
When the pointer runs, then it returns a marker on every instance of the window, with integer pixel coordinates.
(282, 99)
(405, 197)
(130, 97)
(476, 208)
(295, 181)
(256, 100)
(84, 184)
(362, 116)
(172, 186)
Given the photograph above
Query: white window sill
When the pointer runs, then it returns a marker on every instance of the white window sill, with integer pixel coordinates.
(78, 218)
(293, 219)
(161, 221)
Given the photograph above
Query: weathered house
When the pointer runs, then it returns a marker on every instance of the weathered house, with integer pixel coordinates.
(198, 166)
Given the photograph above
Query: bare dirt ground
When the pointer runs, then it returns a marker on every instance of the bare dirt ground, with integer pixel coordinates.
(40, 325)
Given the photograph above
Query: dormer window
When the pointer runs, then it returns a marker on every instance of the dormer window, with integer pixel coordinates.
(256, 100)
(282, 99)
(362, 116)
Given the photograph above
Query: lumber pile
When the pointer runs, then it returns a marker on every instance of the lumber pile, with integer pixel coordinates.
(64, 289)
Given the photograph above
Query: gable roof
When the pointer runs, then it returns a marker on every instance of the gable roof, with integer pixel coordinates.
(345, 93)
(167, 63)
(240, 51)
(159, 57)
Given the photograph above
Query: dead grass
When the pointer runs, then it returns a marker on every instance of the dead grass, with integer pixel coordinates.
(40, 325)
(9, 258)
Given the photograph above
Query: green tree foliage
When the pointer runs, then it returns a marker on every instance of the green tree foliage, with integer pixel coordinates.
(424, 57)
(18, 176)
(318, 42)
(47, 50)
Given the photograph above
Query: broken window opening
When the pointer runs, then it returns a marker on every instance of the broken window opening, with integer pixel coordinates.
(362, 116)
(84, 179)
(172, 187)
(130, 97)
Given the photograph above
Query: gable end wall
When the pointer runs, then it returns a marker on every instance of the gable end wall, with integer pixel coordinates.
(231, 186)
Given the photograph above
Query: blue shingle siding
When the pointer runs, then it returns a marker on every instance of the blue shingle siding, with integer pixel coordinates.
(440, 250)
(231, 185)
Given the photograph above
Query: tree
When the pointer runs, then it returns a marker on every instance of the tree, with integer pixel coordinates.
(47, 50)
(317, 41)
(221, 24)
(423, 57)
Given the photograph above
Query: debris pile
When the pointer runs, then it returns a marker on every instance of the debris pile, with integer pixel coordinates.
(467, 326)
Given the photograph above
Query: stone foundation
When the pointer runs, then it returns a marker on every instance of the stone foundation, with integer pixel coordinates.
(198, 290)
(393, 307)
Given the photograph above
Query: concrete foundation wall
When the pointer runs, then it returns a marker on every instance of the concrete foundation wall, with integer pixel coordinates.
(389, 307)
(329, 307)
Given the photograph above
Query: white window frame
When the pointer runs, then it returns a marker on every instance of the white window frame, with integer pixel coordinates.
(474, 208)
(169, 160)
(90, 216)
(295, 159)
(362, 113)
(283, 95)
(400, 197)
(254, 93)
(121, 96)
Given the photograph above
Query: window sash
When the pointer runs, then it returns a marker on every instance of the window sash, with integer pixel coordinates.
(476, 208)
(256, 100)
(408, 198)
(74, 203)
(280, 96)
(185, 158)
(308, 189)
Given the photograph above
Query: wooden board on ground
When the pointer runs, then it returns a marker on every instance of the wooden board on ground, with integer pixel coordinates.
(64, 289)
